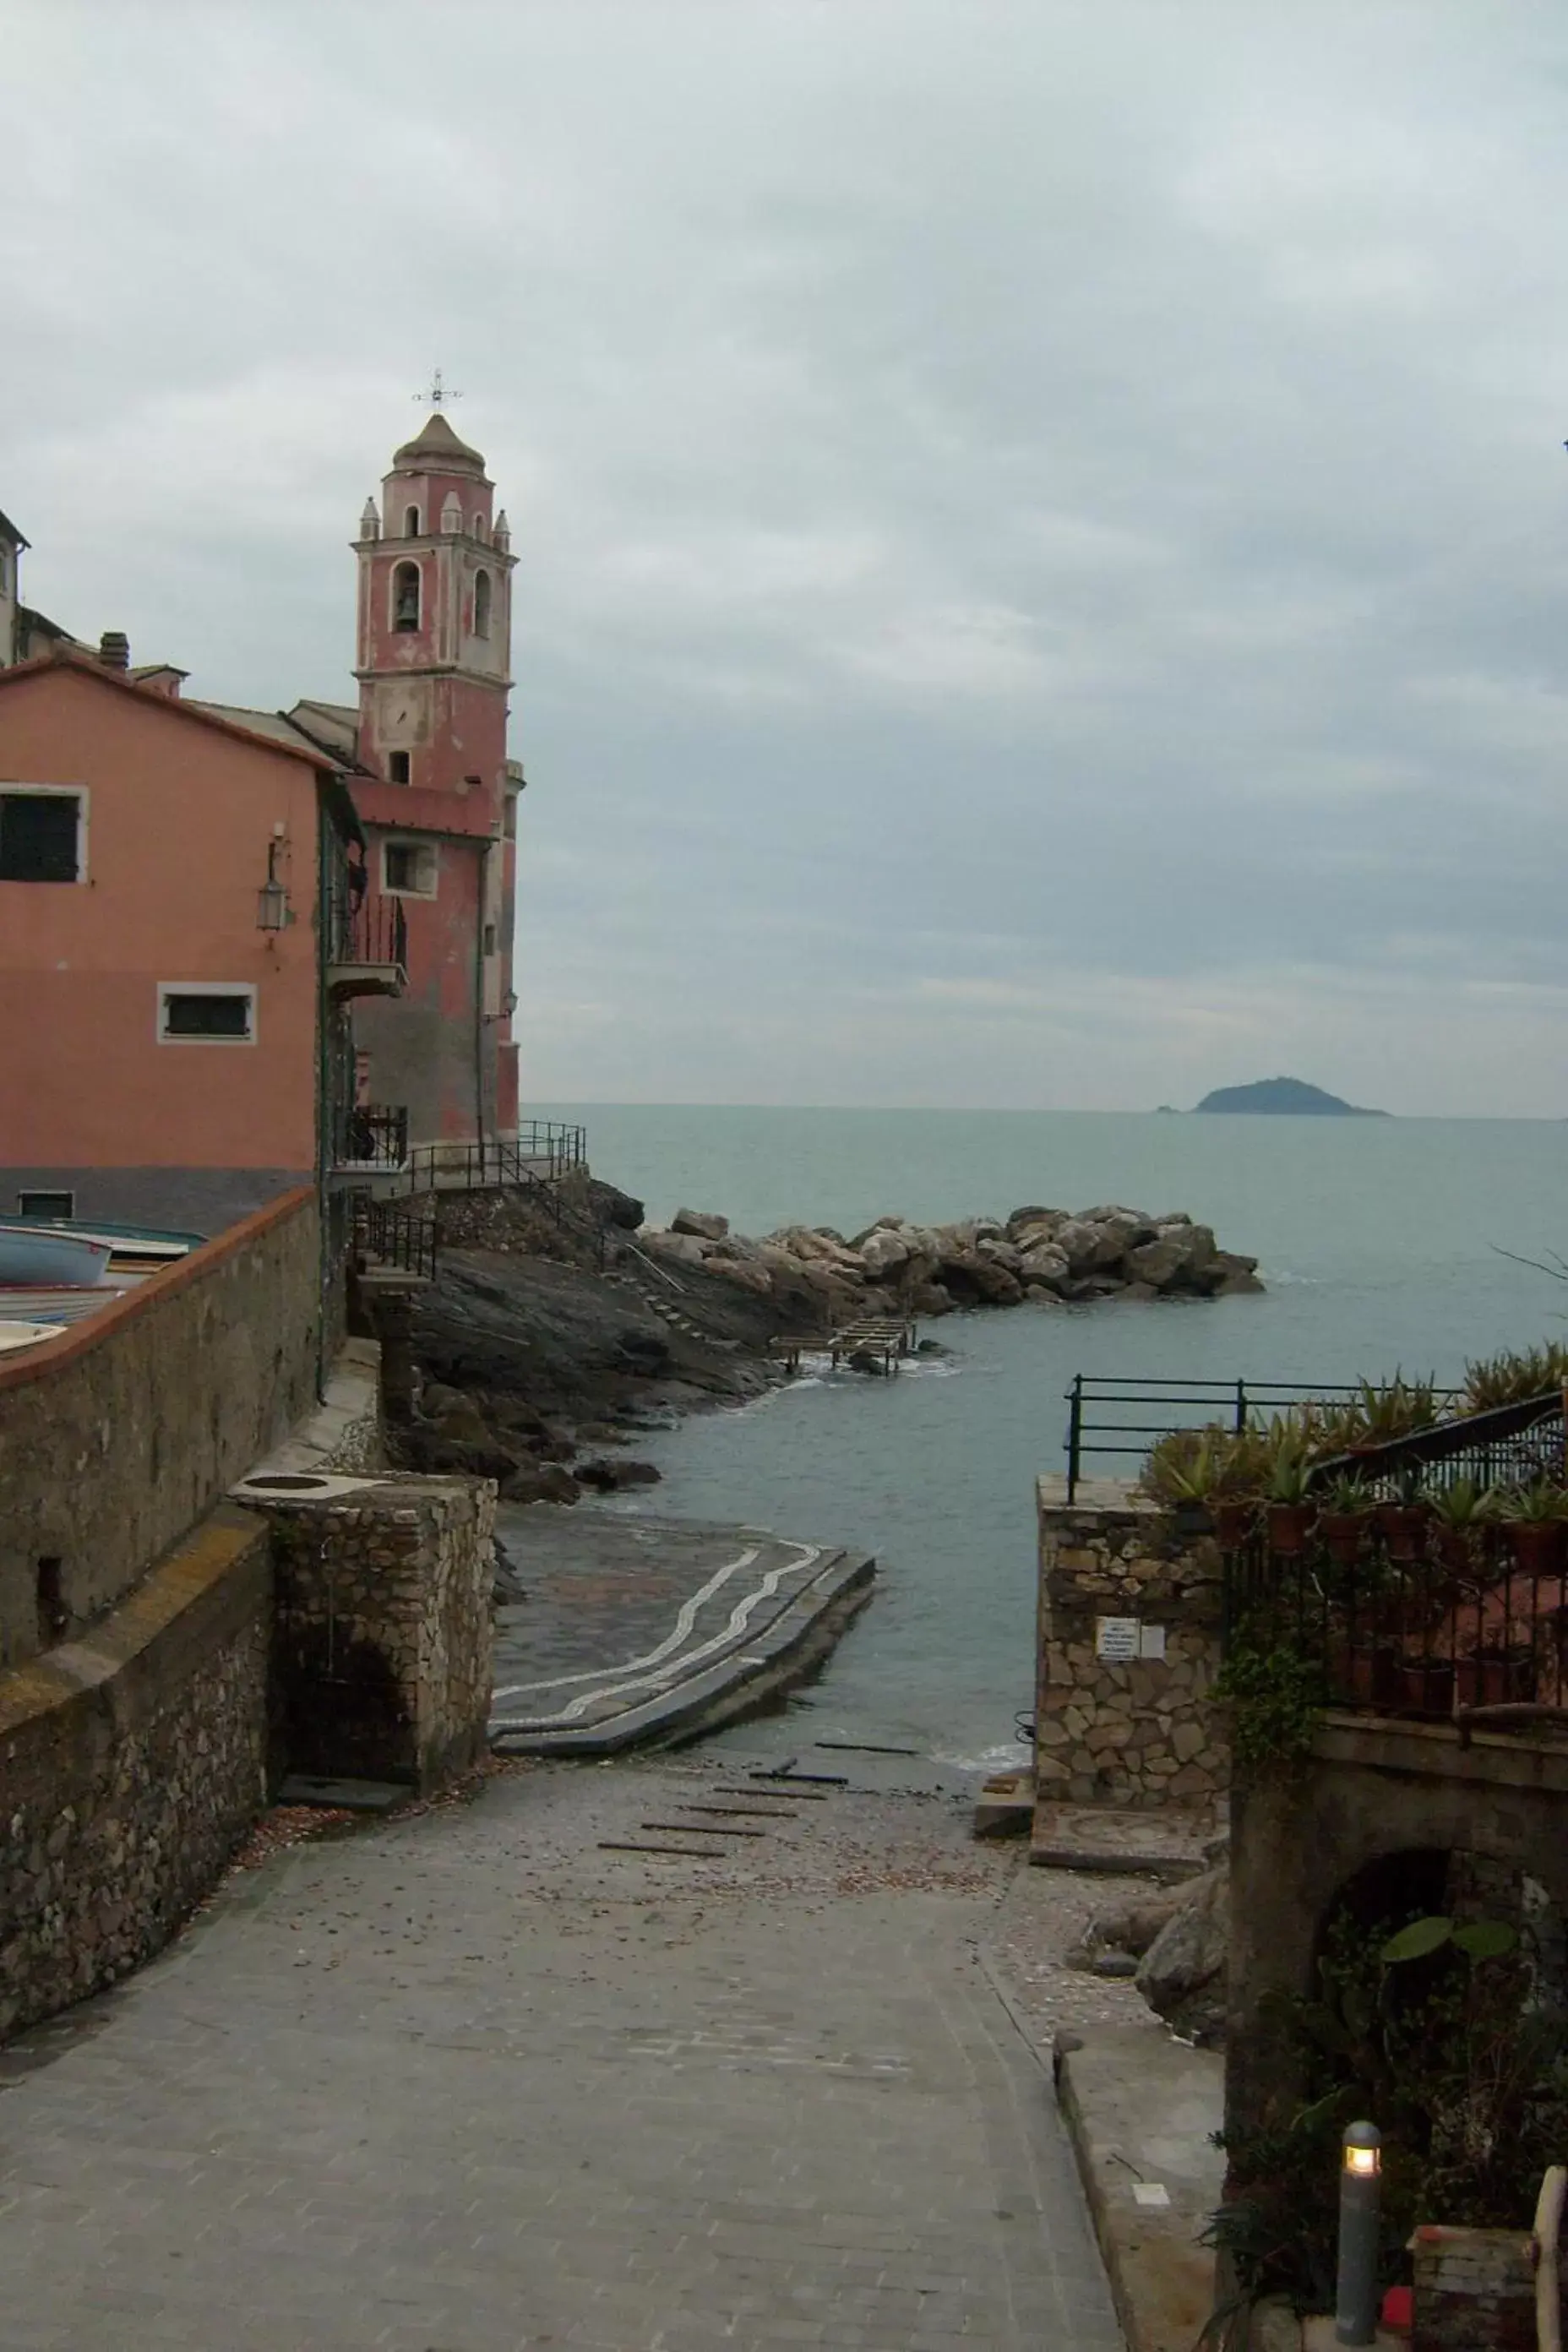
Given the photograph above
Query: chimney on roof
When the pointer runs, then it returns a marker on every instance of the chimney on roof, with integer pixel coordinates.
(114, 649)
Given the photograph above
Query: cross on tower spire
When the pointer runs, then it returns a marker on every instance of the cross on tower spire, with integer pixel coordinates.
(438, 392)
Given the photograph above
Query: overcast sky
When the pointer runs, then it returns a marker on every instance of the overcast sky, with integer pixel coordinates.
(1043, 528)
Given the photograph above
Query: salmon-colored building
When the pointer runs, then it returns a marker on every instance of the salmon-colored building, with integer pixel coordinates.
(184, 921)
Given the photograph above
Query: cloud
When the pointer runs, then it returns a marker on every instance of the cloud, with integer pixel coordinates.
(1044, 540)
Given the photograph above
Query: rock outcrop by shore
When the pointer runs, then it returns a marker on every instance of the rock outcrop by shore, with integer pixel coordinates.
(1049, 1257)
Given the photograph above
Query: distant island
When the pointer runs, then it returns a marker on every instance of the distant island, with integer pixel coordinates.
(1289, 1097)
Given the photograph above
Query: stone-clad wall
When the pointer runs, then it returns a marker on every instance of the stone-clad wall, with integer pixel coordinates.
(131, 1764)
(1116, 1730)
(116, 1438)
(384, 1626)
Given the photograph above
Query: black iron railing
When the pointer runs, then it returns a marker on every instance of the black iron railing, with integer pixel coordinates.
(1404, 1615)
(1096, 1404)
(365, 931)
(399, 1234)
(1512, 1445)
(542, 1149)
(373, 1136)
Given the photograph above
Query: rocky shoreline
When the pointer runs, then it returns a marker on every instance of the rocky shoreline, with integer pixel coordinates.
(546, 1345)
(1046, 1256)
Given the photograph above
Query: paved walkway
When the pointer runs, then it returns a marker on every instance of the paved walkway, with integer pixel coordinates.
(635, 1628)
(473, 2081)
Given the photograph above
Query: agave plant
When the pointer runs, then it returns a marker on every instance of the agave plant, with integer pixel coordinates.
(1513, 1375)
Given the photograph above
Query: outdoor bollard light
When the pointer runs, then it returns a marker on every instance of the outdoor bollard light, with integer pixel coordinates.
(1355, 2296)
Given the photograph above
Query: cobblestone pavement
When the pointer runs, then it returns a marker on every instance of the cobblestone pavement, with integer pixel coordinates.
(471, 2081)
(620, 1611)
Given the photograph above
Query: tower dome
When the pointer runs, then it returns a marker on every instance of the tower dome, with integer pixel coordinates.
(436, 449)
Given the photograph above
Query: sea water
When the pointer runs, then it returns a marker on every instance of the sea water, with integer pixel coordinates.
(1382, 1244)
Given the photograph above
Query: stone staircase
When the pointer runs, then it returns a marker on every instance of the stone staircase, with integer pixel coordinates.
(662, 1295)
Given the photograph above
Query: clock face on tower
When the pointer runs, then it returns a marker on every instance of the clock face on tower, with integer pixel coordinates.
(403, 715)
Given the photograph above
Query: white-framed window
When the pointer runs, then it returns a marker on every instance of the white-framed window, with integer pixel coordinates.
(481, 603)
(43, 832)
(408, 869)
(206, 1012)
(411, 522)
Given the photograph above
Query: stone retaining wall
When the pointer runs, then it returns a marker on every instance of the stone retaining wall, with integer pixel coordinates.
(117, 1438)
(1128, 1646)
(131, 1761)
(384, 1636)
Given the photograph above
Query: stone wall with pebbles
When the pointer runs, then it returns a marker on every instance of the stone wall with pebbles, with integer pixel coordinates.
(1128, 1646)
(131, 1762)
(384, 1626)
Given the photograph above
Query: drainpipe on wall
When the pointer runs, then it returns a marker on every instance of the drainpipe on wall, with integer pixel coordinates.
(481, 899)
(323, 1097)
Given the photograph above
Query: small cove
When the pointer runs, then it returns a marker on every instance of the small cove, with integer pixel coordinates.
(1379, 1241)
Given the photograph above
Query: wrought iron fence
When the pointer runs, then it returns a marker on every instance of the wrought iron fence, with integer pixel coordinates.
(1402, 1615)
(395, 1233)
(373, 1136)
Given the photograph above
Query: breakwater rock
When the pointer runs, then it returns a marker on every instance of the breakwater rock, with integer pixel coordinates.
(1050, 1258)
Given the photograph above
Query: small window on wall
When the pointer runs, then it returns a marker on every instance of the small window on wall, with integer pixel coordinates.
(397, 767)
(221, 1014)
(482, 604)
(489, 939)
(411, 523)
(40, 835)
(509, 821)
(46, 1204)
(405, 596)
(408, 869)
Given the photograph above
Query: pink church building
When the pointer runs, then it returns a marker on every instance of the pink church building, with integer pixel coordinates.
(435, 788)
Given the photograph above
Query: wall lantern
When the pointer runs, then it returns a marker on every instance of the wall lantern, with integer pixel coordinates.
(509, 1003)
(272, 912)
(1355, 2298)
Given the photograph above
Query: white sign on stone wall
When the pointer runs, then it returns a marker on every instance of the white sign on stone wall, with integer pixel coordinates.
(1120, 1641)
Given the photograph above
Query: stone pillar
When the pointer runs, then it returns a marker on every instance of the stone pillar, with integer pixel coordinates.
(395, 1329)
(1129, 1644)
(382, 1648)
(1475, 2291)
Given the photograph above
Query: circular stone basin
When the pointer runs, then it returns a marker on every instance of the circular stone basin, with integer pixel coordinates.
(282, 1481)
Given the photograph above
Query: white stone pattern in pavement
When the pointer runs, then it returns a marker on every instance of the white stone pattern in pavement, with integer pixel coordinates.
(687, 1648)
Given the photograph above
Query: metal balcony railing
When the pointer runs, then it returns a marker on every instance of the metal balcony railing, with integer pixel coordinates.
(373, 1136)
(365, 933)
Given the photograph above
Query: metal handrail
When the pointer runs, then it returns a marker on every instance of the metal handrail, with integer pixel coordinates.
(1186, 1404)
(397, 1233)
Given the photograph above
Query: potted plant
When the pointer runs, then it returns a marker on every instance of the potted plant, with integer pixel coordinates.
(1289, 1514)
(1532, 1520)
(1403, 1518)
(1460, 1514)
(1344, 1517)
(1189, 1487)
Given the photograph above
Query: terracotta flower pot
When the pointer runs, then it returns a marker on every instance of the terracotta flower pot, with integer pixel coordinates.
(1426, 1686)
(1457, 1550)
(1492, 1680)
(1537, 1544)
(1344, 1533)
(1403, 1526)
(1366, 1677)
(1287, 1525)
(1233, 1524)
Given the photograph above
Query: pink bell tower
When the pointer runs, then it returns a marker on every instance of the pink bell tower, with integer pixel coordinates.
(440, 804)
